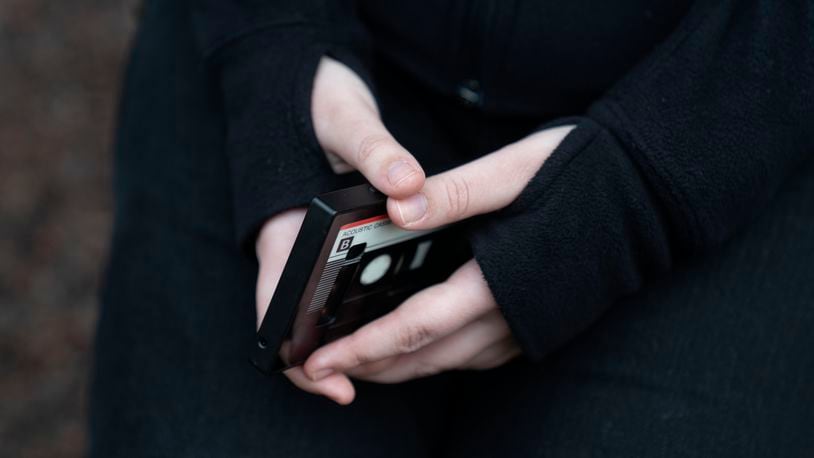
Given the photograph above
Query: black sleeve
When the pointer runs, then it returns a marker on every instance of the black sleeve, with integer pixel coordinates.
(264, 53)
(672, 161)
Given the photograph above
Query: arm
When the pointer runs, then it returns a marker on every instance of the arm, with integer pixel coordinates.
(673, 160)
(264, 54)
(287, 103)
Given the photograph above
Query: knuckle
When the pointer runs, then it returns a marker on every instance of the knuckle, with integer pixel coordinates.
(458, 195)
(412, 338)
(360, 357)
(369, 146)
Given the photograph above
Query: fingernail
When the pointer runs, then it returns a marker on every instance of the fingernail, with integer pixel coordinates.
(399, 171)
(412, 208)
(321, 374)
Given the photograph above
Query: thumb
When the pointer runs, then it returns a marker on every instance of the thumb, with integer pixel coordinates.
(347, 125)
(481, 186)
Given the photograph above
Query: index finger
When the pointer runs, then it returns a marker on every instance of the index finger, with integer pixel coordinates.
(481, 186)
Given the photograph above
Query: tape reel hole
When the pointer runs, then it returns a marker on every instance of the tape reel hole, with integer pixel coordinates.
(375, 269)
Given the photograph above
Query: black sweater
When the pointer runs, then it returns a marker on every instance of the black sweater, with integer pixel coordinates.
(689, 118)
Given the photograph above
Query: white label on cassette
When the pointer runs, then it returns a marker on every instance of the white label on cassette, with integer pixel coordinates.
(376, 232)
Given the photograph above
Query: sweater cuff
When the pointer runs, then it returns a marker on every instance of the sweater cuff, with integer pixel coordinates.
(580, 235)
(275, 159)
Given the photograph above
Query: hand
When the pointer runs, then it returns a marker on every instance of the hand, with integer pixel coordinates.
(455, 324)
(347, 125)
(273, 246)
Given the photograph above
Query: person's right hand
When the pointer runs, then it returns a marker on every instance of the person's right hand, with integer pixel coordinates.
(347, 125)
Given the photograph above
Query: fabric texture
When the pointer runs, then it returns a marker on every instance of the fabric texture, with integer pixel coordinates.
(677, 157)
(657, 270)
(689, 145)
(265, 55)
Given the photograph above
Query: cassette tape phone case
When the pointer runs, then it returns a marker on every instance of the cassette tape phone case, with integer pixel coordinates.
(349, 265)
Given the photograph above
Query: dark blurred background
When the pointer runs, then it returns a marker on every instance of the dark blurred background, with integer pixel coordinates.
(60, 67)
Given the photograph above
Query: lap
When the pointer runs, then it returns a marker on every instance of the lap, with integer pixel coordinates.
(171, 372)
(716, 359)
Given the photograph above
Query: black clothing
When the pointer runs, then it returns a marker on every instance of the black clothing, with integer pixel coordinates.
(679, 156)
(674, 158)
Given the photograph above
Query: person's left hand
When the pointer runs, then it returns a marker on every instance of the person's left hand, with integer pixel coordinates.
(455, 324)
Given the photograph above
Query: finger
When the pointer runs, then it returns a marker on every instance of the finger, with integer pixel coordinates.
(336, 387)
(481, 186)
(274, 244)
(451, 352)
(409, 367)
(347, 124)
(425, 317)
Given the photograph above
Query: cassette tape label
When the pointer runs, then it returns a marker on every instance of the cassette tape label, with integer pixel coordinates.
(371, 234)
(376, 232)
